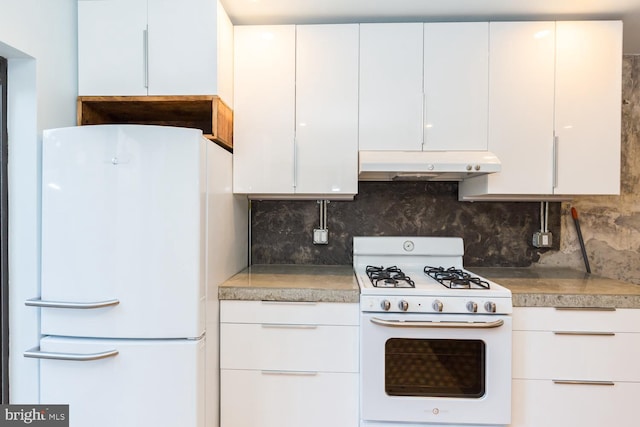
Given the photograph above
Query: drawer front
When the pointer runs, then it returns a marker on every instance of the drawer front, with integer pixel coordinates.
(255, 398)
(588, 319)
(315, 313)
(289, 347)
(549, 355)
(541, 403)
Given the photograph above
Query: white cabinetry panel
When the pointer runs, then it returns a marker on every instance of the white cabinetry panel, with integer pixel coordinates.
(290, 347)
(541, 403)
(149, 47)
(182, 47)
(299, 313)
(554, 109)
(111, 47)
(326, 152)
(292, 364)
(521, 103)
(587, 109)
(574, 367)
(288, 399)
(456, 84)
(391, 88)
(296, 111)
(554, 355)
(264, 126)
(424, 86)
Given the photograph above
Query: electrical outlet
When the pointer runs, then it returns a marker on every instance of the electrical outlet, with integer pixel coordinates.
(320, 236)
(542, 239)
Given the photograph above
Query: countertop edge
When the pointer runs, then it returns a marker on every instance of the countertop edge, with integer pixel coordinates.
(289, 294)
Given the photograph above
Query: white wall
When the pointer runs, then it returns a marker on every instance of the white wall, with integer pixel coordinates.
(38, 37)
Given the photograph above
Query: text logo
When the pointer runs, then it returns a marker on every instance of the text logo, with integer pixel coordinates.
(34, 415)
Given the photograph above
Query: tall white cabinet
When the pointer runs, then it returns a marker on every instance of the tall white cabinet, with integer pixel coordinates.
(154, 47)
(326, 145)
(424, 86)
(264, 122)
(296, 109)
(554, 109)
(587, 107)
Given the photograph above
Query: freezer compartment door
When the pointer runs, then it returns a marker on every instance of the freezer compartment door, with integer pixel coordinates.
(123, 221)
(156, 383)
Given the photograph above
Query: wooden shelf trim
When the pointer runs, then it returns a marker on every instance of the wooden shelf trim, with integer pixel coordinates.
(206, 112)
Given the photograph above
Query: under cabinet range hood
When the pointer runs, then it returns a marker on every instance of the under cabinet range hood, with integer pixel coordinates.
(425, 165)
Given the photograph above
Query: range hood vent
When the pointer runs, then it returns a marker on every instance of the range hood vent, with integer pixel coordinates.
(425, 165)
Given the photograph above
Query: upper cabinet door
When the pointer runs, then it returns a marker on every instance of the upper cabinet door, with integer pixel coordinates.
(521, 106)
(151, 47)
(112, 40)
(391, 92)
(456, 68)
(264, 117)
(326, 148)
(588, 112)
(182, 47)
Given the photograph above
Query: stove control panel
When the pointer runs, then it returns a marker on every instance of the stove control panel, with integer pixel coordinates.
(427, 304)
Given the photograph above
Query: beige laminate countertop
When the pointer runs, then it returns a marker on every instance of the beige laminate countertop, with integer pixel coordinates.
(561, 287)
(313, 283)
(530, 287)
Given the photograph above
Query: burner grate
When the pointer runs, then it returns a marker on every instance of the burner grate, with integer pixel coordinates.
(454, 278)
(390, 277)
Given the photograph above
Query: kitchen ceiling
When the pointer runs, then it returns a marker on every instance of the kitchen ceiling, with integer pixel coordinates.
(250, 12)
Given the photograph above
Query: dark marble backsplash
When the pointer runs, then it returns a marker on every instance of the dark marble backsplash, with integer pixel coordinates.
(496, 234)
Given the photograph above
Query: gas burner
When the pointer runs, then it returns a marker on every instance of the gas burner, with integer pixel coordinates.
(455, 278)
(390, 277)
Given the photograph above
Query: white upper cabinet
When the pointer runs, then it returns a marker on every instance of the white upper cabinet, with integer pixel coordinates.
(391, 92)
(153, 47)
(111, 47)
(424, 86)
(326, 109)
(456, 67)
(521, 91)
(296, 111)
(554, 110)
(264, 119)
(588, 107)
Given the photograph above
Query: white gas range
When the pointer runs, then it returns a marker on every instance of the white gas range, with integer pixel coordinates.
(435, 338)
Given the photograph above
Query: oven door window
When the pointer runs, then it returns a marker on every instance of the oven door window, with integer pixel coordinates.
(435, 368)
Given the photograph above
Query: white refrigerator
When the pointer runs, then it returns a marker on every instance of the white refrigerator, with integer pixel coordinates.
(139, 227)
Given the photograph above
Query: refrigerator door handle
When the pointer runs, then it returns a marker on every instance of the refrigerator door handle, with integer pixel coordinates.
(37, 302)
(35, 353)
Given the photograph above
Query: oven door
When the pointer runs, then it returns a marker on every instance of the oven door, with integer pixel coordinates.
(435, 369)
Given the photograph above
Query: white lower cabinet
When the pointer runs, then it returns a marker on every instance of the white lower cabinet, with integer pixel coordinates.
(253, 398)
(288, 364)
(575, 368)
(543, 403)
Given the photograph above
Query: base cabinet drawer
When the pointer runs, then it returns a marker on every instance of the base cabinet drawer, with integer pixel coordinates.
(544, 403)
(289, 347)
(252, 398)
(576, 355)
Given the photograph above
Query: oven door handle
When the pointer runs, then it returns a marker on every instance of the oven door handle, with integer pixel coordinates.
(423, 324)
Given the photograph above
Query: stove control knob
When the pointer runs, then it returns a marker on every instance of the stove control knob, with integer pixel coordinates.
(404, 306)
(386, 305)
(490, 307)
(472, 307)
(437, 306)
